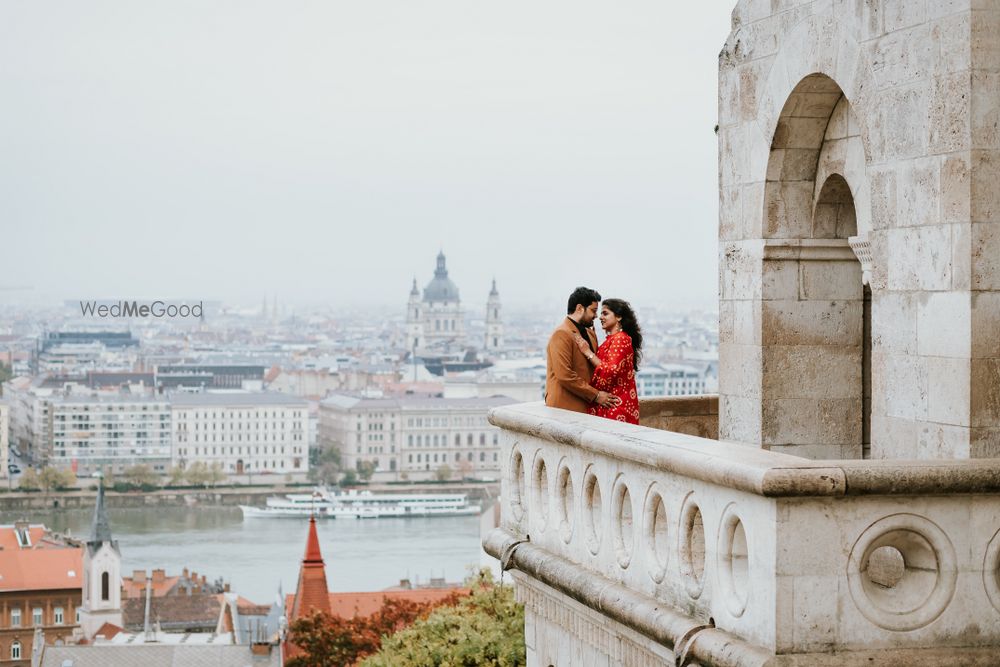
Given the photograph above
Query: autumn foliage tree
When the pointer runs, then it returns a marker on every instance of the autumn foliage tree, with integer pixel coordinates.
(484, 629)
(331, 641)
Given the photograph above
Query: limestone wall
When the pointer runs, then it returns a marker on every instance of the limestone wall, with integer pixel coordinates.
(901, 100)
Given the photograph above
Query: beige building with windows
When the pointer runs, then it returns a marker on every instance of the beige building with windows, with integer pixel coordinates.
(412, 437)
(241, 432)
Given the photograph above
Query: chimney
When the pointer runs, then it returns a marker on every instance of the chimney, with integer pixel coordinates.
(159, 576)
(260, 648)
(185, 573)
(203, 582)
(225, 588)
(138, 576)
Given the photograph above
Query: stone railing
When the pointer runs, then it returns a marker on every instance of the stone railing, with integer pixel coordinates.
(721, 554)
(694, 415)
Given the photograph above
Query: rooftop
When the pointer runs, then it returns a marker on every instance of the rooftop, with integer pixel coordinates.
(128, 650)
(366, 603)
(34, 559)
(236, 399)
(348, 402)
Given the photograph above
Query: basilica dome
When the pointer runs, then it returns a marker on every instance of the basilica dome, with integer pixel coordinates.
(441, 288)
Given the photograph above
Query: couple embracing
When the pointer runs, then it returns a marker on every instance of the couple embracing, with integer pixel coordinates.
(582, 377)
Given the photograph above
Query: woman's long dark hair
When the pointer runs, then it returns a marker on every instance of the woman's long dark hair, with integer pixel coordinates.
(630, 325)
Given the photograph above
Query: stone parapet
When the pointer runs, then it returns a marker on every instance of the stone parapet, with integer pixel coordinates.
(694, 415)
(735, 555)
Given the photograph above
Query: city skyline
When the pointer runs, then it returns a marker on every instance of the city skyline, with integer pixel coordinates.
(326, 154)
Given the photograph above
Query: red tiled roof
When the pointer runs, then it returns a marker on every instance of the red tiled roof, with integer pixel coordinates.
(366, 603)
(48, 564)
(134, 589)
(108, 630)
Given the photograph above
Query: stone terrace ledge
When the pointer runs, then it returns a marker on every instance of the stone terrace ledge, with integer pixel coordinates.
(662, 547)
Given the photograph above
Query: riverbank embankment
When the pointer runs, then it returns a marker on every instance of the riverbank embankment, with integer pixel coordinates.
(215, 497)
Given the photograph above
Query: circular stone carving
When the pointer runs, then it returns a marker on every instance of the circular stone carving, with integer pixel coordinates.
(692, 547)
(655, 529)
(991, 570)
(540, 489)
(516, 482)
(592, 510)
(733, 555)
(927, 583)
(621, 510)
(565, 502)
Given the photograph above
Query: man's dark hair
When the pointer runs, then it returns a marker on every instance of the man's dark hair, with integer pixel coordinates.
(583, 296)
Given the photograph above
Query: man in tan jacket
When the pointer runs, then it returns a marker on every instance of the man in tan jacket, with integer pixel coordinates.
(567, 376)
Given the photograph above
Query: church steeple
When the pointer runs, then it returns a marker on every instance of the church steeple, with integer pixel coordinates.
(494, 321)
(312, 593)
(100, 526)
(102, 578)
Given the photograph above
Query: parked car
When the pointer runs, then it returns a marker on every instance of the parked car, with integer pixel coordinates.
(13, 468)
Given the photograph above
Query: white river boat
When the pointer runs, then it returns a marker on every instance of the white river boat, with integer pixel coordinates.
(362, 505)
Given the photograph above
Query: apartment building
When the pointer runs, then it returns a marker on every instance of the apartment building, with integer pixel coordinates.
(410, 437)
(242, 432)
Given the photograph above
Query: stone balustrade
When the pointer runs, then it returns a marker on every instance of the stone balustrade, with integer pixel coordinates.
(655, 545)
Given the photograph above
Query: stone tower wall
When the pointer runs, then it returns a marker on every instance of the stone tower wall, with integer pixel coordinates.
(901, 100)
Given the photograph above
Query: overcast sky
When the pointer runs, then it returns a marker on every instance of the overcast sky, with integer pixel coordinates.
(324, 151)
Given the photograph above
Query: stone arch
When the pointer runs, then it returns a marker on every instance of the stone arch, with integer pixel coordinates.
(834, 215)
(793, 161)
(812, 300)
(818, 45)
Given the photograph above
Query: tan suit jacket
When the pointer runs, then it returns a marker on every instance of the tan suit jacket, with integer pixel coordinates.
(567, 371)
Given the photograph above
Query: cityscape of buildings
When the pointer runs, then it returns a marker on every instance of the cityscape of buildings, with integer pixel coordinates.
(258, 390)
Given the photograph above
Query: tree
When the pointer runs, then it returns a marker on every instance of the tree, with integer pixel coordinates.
(366, 469)
(350, 478)
(29, 480)
(198, 474)
(56, 478)
(176, 476)
(484, 629)
(140, 475)
(324, 465)
(332, 641)
(5, 373)
(443, 473)
(215, 474)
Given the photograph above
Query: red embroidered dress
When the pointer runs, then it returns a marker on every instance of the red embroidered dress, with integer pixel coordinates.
(616, 375)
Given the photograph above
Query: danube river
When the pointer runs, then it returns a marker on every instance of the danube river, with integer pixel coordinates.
(255, 555)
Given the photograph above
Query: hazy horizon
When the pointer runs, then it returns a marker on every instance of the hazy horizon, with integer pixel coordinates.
(325, 152)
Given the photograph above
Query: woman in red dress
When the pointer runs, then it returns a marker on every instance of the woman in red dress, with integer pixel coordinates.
(617, 360)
